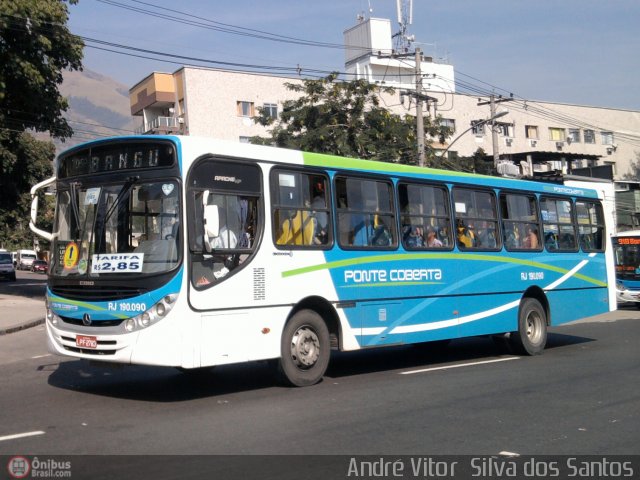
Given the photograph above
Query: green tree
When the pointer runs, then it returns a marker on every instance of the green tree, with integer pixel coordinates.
(35, 48)
(634, 169)
(345, 118)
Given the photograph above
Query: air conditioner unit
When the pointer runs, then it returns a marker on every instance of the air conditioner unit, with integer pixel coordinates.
(508, 169)
(533, 143)
(508, 141)
(559, 145)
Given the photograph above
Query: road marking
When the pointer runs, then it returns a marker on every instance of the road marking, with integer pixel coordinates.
(459, 365)
(41, 356)
(21, 435)
(504, 453)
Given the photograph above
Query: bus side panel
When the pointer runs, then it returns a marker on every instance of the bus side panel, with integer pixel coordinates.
(566, 307)
(233, 336)
(384, 322)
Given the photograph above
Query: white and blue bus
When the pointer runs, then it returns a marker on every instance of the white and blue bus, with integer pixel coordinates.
(192, 252)
(627, 257)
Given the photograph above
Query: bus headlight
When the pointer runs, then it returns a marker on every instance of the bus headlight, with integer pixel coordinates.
(145, 319)
(152, 315)
(161, 310)
(49, 315)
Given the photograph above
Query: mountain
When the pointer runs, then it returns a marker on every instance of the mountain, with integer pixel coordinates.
(98, 107)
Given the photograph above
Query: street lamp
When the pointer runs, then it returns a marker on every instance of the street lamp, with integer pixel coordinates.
(481, 122)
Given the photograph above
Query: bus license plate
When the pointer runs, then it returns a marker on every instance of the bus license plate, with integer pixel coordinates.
(86, 341)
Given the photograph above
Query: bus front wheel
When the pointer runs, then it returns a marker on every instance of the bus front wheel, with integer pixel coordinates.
(531, 337)
(304, 350)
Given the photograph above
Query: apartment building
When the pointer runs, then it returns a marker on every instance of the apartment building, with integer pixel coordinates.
(528, 137)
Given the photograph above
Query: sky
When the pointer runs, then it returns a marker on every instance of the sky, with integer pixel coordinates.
(583, 52)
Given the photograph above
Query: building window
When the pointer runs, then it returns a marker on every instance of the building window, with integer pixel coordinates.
(245, 109)
(589, 136)
(505, 129)
(574, 135)
(477, 127)
(531, 131)
(245, 139)
(449, 123)
(607, 138)
(270, 110)
(557, 134)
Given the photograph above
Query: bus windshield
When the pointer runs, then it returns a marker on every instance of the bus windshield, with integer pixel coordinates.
(627, 257)
(128, 228)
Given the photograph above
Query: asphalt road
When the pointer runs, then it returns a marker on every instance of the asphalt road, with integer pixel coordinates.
(580, 397)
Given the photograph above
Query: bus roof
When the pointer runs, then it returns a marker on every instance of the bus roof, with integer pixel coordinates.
(198, 146)
(627, 233)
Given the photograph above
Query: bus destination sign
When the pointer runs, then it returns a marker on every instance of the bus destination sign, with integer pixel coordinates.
(116, 157)
(628, 241)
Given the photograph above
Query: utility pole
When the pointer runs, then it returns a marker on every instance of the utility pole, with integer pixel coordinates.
(494, 133)
(419, 117)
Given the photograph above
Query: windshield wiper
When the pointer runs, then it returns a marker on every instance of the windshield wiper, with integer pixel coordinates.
(73, 189)
(124, 193)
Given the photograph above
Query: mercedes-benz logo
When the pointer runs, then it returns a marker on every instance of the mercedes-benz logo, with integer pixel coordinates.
(86, 319)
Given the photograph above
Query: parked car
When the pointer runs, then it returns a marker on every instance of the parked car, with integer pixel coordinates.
(39, 266)
(7, 269)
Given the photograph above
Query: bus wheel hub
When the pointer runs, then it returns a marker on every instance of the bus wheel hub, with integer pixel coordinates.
(305, 347)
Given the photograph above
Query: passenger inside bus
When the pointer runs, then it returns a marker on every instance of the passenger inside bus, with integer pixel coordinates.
(432, 239)
(466, 236)
(531, 239)
(413, 236)
(320, 217)
(551, 241)
(225, 227)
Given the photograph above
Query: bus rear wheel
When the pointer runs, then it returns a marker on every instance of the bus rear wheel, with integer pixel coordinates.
(304, 350)
(531, 337)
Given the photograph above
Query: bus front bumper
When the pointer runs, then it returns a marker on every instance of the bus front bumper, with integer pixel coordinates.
(624, 295)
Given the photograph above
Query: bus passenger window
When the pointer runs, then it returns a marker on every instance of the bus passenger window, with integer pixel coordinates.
(476, 219)
(559, 229)
(366, 216)
(521, 224)
(301, 209)
(425, 216)
(590, 226)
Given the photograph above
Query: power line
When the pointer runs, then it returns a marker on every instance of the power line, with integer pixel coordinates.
(530, 107)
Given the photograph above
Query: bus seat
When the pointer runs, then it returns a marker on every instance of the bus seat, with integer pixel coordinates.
(297, 230)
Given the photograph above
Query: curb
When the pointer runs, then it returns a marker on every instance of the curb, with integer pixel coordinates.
(24, 326)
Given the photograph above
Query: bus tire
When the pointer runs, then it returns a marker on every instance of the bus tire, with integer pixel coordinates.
(531, 337)
(304, 349)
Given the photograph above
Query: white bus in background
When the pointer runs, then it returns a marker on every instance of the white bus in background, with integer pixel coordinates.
(24, 259)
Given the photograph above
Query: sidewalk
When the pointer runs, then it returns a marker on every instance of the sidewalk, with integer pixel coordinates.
(18, 313)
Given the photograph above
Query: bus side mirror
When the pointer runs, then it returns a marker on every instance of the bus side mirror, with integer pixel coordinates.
(211, 222)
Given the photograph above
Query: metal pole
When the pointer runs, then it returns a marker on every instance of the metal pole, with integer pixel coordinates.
(419, 117)
(494, 132)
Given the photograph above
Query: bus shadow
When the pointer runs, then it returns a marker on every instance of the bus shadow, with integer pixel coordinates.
(430, 355)
(160, 384)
